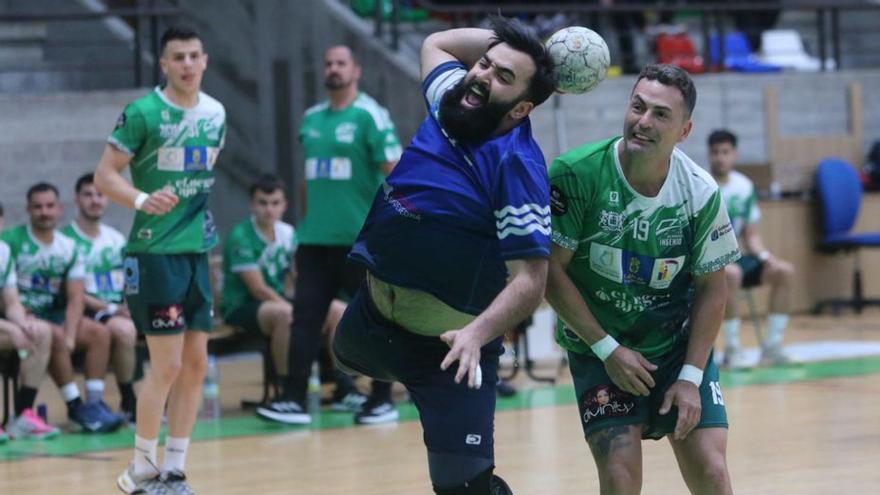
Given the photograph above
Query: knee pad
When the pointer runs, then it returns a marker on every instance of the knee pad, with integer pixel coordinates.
(485, 483)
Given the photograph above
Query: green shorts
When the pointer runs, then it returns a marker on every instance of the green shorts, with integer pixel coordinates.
(169, 293)
(602, 404)
(245, 316)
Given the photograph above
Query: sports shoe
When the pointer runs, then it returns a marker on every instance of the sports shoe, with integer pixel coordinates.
(775, 356)
(288, 412)
(4, 437)
(30, 426)
(112, 417)
(353, 401)
(92, 418)
(152, 485)
(499, 487)
(735, 359)
(375, 412)
(176, 481)
(504, 389)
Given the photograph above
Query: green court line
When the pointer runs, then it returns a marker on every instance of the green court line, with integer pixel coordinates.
(81, 445)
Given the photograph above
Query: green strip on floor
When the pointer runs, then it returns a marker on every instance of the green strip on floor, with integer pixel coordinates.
(85, 446)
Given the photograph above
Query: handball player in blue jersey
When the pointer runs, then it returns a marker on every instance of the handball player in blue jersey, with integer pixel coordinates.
(456, 246)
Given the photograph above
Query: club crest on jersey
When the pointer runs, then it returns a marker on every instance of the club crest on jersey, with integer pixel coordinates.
(345, 132)
(611, 221)
(604, 402)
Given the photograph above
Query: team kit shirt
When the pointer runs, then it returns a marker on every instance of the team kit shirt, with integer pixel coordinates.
(7, 267)
(247, 249)
(344, 150)
(450, 214)
(172, 148)
(42, 269)
(635, 257)
(102, 258)
(742, 201)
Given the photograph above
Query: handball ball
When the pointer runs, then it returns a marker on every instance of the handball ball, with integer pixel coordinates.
(580, 57)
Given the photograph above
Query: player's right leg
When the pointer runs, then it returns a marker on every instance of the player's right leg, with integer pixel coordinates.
(123, 360)
(702, 458)
(733, 353)
(96, 340)
(274, 319)
(32, 372)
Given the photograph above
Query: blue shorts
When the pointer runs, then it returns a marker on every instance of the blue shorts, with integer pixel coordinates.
(456, 419)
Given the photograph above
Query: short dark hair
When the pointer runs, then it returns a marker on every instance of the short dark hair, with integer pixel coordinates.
(522, 38)
(177, 33)
(266, 183)
(671, 75)
(41, 187)
(83, 181)
(720, 136)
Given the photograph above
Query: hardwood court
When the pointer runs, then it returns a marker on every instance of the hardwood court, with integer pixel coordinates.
(803, 437)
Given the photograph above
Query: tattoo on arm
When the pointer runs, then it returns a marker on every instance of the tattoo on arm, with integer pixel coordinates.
(602, 442)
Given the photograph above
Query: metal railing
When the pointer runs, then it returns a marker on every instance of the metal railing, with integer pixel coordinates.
(712, 14)
(142, 19)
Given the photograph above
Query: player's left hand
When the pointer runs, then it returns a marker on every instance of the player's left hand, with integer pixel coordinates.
(686, 396)
(465, 348)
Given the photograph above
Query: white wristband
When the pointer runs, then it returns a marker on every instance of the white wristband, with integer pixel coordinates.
(604, 347)
(691, 373)
(140, 200)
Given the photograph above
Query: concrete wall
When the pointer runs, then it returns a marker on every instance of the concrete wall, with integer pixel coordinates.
(809, 104)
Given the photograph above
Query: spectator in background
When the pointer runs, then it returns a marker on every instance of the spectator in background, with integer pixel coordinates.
(32, 339)
(101, 250)
(758, 265)
(349, 144)
(50, 280)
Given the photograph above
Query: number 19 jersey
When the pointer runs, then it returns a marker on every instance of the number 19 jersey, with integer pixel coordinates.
(635, 257)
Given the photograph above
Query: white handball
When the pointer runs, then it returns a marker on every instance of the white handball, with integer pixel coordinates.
(580, 57)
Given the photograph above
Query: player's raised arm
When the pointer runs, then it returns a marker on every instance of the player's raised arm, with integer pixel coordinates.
(466, 45)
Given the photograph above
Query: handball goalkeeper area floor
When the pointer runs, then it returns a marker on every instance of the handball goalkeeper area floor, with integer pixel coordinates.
(807, 428)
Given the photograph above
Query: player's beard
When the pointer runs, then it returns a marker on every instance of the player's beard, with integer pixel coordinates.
(471, 124)
(335, 82)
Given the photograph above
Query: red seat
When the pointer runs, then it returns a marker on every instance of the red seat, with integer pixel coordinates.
(678, 49)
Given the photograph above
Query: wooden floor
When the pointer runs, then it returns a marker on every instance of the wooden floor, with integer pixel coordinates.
(813, 437)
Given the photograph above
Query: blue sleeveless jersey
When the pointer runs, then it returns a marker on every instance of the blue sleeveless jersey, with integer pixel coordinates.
(450, 214)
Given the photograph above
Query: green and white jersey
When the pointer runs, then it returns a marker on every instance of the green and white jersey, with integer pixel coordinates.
(343, 152)
(7, 267)
(247, 249)
(635, 257)
(102, 260)
(172, 148)
(742, 201)
(42, 269)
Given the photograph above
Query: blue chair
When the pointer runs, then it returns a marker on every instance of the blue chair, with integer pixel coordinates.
(840, 196)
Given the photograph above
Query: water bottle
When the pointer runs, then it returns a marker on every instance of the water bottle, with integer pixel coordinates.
(211, 391)
(314, 390)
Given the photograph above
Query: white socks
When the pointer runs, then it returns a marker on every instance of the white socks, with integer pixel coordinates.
(776, 323)
(94, 390)
(70, 392)
(145, 464)
(145, 457)
(731, 332)
(175, 454)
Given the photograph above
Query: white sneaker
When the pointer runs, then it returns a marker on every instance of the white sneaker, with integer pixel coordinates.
(775, 356)
(735, 359)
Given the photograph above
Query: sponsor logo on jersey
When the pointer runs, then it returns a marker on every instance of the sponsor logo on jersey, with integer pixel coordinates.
(611, 221)
(187, 188)
(604, 402)
(721, 231)
(607, 261)
(345, 132)
(187, 158)
(558, 201)
(145, 234)
(473, 439)
(664, 271)
(120, 122)
(335, 168)
(637, 268)
(669, 232)
(167, 317)
(400, 204)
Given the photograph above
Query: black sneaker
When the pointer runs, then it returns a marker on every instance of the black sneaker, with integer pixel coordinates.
(499, 487)
(376, 412)
(287, 412)
(505, 389)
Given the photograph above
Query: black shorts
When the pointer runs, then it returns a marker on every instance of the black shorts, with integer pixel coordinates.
(456, 419)
(752, 267)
